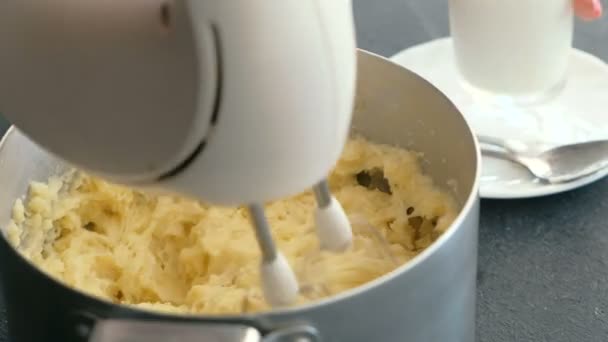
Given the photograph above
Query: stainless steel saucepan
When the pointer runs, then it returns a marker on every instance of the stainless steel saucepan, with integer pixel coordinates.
(430, 299)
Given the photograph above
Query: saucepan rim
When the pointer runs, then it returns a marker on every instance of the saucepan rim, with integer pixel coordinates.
(467, 208)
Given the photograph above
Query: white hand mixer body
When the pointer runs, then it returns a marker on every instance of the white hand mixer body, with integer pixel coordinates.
(233, 102)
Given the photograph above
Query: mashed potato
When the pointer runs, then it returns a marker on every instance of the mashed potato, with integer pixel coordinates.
(177, 255)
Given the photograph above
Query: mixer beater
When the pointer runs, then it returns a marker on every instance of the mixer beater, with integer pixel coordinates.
(279, 282)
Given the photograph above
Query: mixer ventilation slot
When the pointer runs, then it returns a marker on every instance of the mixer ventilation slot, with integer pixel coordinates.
(216, 109)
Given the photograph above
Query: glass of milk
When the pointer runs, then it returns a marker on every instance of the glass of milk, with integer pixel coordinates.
(514, 48)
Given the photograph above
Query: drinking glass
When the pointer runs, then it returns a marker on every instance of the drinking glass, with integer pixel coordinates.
(513, 48)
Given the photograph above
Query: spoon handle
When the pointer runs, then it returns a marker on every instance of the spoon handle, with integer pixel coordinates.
(494, 147)
(497, 151)
(497, 143)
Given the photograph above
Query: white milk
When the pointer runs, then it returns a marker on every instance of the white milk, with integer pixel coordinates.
(512, 47)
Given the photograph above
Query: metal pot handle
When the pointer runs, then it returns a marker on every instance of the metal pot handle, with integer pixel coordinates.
(114, 330)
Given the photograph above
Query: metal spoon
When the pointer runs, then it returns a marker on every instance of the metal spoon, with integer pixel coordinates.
(557, 165)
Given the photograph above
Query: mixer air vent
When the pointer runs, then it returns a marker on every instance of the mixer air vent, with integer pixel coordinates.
(216, 110)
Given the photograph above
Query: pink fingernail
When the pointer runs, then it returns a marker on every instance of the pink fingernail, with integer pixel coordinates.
(596, 9)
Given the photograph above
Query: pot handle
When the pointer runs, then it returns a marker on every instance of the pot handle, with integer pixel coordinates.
(115, 330)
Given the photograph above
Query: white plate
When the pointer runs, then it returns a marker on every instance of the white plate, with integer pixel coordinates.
(579, 113)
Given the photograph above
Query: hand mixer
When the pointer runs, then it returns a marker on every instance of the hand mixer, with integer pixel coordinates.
(235, 102)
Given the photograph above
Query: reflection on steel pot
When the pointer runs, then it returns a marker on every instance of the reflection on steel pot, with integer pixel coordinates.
(429, 299)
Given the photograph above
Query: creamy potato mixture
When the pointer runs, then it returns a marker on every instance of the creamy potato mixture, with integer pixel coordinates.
(178, 255)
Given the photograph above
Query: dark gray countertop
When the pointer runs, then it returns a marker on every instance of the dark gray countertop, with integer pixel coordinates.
(543, 263)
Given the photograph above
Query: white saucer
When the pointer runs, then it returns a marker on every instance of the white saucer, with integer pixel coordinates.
(579, 113)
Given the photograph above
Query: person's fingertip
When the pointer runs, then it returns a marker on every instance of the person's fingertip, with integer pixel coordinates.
(588, 9)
